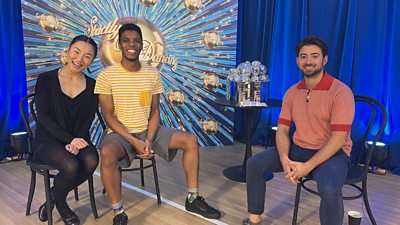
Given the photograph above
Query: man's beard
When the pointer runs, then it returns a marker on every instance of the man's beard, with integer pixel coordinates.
(312, 73)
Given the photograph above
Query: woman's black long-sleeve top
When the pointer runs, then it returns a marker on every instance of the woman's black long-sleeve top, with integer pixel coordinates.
(61, 118)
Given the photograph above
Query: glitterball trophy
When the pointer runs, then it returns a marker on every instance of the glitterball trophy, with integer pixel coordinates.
(248, 84)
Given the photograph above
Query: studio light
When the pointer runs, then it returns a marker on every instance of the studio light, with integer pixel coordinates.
(19, 142)
(379, 155)
(377, 143)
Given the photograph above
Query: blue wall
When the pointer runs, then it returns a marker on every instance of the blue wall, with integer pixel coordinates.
(12, 71)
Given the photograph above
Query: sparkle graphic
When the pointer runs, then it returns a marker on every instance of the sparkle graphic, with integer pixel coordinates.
(50, 25)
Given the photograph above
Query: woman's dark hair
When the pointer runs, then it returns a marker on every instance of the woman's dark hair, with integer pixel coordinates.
(312, 40)
(87, 40)
(129, 26)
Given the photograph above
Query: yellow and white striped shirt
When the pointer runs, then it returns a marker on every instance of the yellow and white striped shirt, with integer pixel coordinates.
(131, 92)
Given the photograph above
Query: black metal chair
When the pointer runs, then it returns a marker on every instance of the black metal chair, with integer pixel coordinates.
(358, 172)
(44, 169)
(151, 164)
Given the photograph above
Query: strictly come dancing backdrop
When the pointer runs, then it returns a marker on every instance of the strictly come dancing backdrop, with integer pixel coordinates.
(191, 42)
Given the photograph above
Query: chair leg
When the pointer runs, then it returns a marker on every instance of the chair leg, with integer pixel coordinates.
(92, 200)
(296, 204)
(47, 191)
(153, 161)
(366, 202)
(120, 174)
(76, 194)
(141, 172)
(31, 192)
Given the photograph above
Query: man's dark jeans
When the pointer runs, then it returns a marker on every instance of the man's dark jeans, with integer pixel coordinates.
(330, 177)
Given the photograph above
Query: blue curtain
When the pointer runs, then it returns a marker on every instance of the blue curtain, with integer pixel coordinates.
(363, 39)
(12, 71)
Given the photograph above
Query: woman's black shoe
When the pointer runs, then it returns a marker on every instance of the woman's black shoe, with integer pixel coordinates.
(69, 217)
(42, 209)
(73, 220)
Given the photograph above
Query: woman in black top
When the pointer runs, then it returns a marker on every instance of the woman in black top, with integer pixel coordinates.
(66, 106)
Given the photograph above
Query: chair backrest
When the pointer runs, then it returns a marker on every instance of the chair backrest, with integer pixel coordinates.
(101, 120)
(377, 119)
(97, 129)
(32, 109)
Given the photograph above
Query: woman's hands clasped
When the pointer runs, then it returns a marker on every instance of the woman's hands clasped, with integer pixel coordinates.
(76, 145)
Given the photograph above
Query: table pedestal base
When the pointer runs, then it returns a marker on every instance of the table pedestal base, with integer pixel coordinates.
(238, 174)
(235, 173)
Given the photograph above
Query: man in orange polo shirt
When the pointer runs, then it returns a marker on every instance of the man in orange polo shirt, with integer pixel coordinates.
(322, 109)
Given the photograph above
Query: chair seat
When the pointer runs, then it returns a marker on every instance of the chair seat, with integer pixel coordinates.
(38, 166)
(355, 174)
(142, 167)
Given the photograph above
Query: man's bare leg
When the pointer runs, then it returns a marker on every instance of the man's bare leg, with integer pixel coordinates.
(190, 159)
(111, 151)
(190, 162)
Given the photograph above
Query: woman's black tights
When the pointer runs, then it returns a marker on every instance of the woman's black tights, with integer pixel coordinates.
(73, 170)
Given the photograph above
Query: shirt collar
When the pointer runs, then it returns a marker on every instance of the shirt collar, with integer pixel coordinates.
(324, 84)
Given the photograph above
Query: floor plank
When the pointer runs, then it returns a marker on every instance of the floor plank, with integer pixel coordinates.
(228, 196)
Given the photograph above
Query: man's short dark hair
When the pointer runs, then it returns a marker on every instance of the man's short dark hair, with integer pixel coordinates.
(312, 40)
(129, 26)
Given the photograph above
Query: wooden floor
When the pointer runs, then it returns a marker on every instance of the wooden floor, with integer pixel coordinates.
(228, 196)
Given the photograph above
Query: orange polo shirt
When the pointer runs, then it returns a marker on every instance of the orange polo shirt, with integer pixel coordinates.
(319, 111)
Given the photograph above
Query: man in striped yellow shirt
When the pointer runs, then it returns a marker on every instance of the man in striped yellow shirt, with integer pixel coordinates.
(129, 94)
